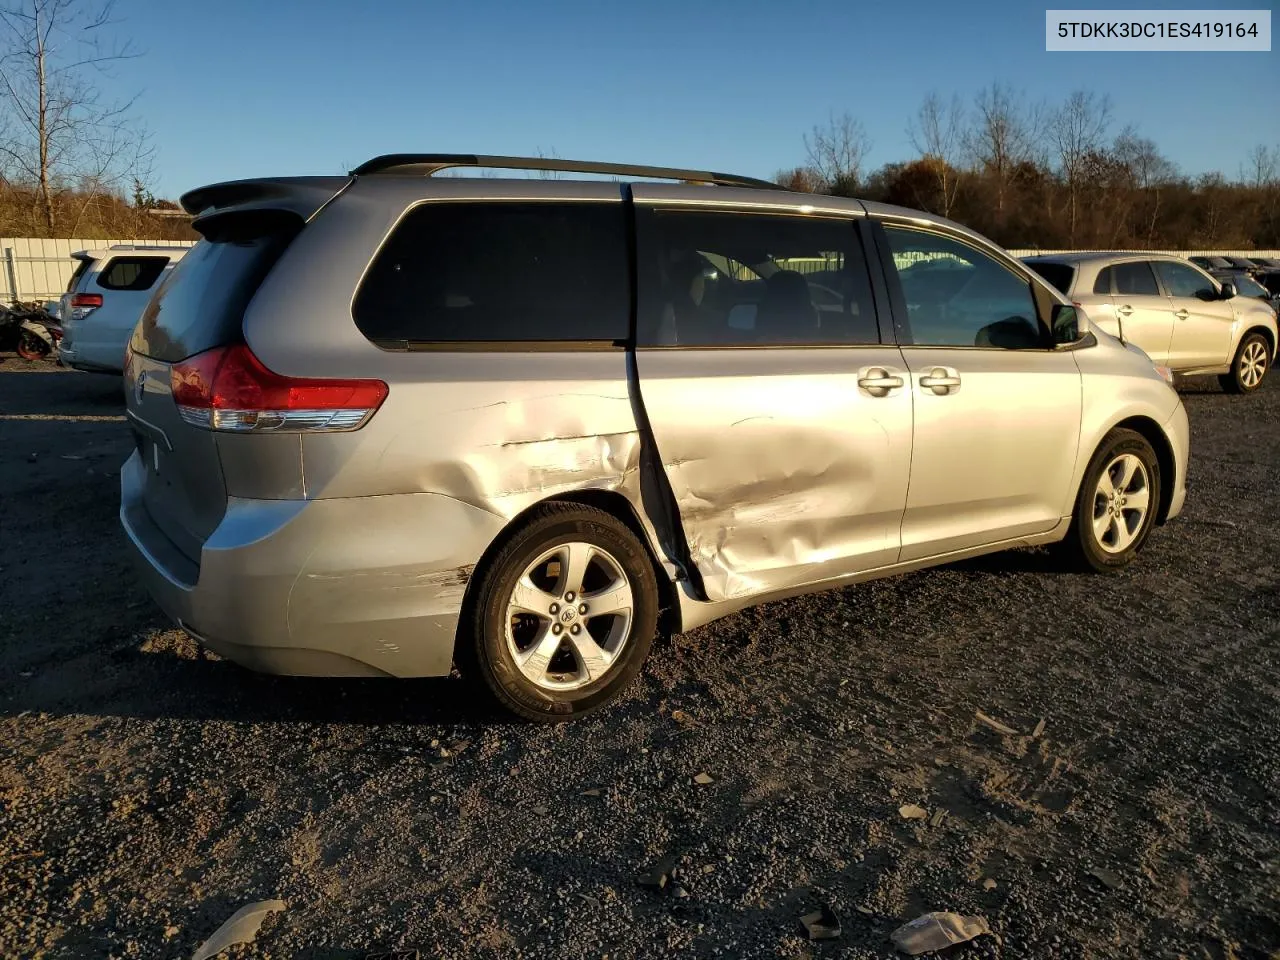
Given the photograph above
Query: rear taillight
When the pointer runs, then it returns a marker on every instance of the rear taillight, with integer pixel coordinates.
(83, 304)
(228, 388)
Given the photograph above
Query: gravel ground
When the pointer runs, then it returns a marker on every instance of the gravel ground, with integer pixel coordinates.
(147, 792)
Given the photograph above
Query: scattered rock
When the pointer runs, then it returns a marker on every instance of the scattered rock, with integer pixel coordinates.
(937, 931)
(679, 716)
(593, 792)
(1035, 734)
(681, 892)
(939, 815)
(540, 811)
(170, 932)
(995, 724)
(989, 884)
(822, 924)
(241, 927)
(703, 778)
(909, 811)
(709, 868)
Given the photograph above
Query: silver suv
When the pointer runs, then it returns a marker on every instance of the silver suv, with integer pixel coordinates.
(1181, 316)
(393, 421)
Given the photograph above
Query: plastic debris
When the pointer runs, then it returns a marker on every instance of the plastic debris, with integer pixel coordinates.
(995, 724)
(1035, 734)
(1108, 879)
(939, 815)
(909, 811)
(241, 927)
(657, 876)
(822, 924)
(703, 778)
(937, 931)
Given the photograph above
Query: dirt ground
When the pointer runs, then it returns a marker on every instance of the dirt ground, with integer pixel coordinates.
(146, 792)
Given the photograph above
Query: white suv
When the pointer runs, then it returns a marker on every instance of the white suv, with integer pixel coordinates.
(104, 300)
(1176, 313)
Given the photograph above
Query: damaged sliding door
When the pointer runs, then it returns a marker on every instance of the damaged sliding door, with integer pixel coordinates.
(782, 421)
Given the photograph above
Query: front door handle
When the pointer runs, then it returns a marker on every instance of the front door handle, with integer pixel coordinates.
(1182, 314)
(940, 380)
(1125, 310)
(878, 381)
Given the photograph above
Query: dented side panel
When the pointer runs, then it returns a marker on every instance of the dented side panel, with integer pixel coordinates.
(784, 470)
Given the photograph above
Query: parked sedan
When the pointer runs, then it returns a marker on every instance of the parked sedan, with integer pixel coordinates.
(1178, 314)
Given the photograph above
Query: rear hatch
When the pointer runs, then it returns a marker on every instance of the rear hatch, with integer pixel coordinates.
(200, 305)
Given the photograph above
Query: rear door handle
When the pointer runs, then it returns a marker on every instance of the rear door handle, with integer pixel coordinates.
(878, 381)
(1182, 314)
(940, 380)
(1125, 310)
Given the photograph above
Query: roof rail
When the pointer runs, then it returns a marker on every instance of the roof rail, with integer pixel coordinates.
(431, 163)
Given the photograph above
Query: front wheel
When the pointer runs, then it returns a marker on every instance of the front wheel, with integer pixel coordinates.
(31, 347)
(564, 615)
(1116, 507)
(1253, 357)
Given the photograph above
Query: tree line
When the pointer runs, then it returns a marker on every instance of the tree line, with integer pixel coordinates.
(1034, 174)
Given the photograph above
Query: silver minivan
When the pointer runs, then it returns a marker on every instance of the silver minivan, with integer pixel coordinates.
(392, 422)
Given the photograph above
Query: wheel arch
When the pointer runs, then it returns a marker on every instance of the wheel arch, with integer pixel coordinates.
(1163, 447)
(611, 502)
(1266, 333)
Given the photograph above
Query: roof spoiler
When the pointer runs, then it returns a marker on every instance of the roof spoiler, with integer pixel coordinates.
(427, 164)
(301, 196)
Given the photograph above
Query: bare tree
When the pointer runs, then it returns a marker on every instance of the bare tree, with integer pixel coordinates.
(60, 126)
(836, 152)
(1147, 170)
(1078, 128)
(1005, 134)
(938, 132)
(1260, 166)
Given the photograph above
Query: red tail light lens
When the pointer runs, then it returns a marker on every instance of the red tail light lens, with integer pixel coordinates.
(228, 388)
(87, 300)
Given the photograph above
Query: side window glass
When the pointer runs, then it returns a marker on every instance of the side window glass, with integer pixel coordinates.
(1183, 281)
(1136, 279)
(957, 296)
(728, 279)
(1103, 284)
(132, 273)
(496, 271)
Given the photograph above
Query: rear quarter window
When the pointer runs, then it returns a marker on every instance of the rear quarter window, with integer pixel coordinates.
(132, 273)
(494, 272)
(82, 267)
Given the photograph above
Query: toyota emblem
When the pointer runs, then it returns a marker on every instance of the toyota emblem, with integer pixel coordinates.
(139, 386)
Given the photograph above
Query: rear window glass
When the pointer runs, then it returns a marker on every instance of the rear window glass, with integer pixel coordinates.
(201, 302)
(132, 273)
(500, 272)
(82, 267)
(1136, 279)
(1059, 275)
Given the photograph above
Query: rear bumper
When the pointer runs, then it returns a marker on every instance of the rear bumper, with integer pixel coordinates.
(70, 357)
(367, 586)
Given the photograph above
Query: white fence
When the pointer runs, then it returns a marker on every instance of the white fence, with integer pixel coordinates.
(1033, 252)
(36, 269)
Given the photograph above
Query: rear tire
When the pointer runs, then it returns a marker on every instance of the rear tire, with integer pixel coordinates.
(1250, 366)
(564, 615)
(31, 347)
(1117, 504)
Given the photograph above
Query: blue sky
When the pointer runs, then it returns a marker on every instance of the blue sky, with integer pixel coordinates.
(241, 88)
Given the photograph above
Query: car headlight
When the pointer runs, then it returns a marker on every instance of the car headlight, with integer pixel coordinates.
(1165, 373)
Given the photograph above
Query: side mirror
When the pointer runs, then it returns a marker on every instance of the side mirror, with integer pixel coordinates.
(1228, 290)
(1066, 324)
